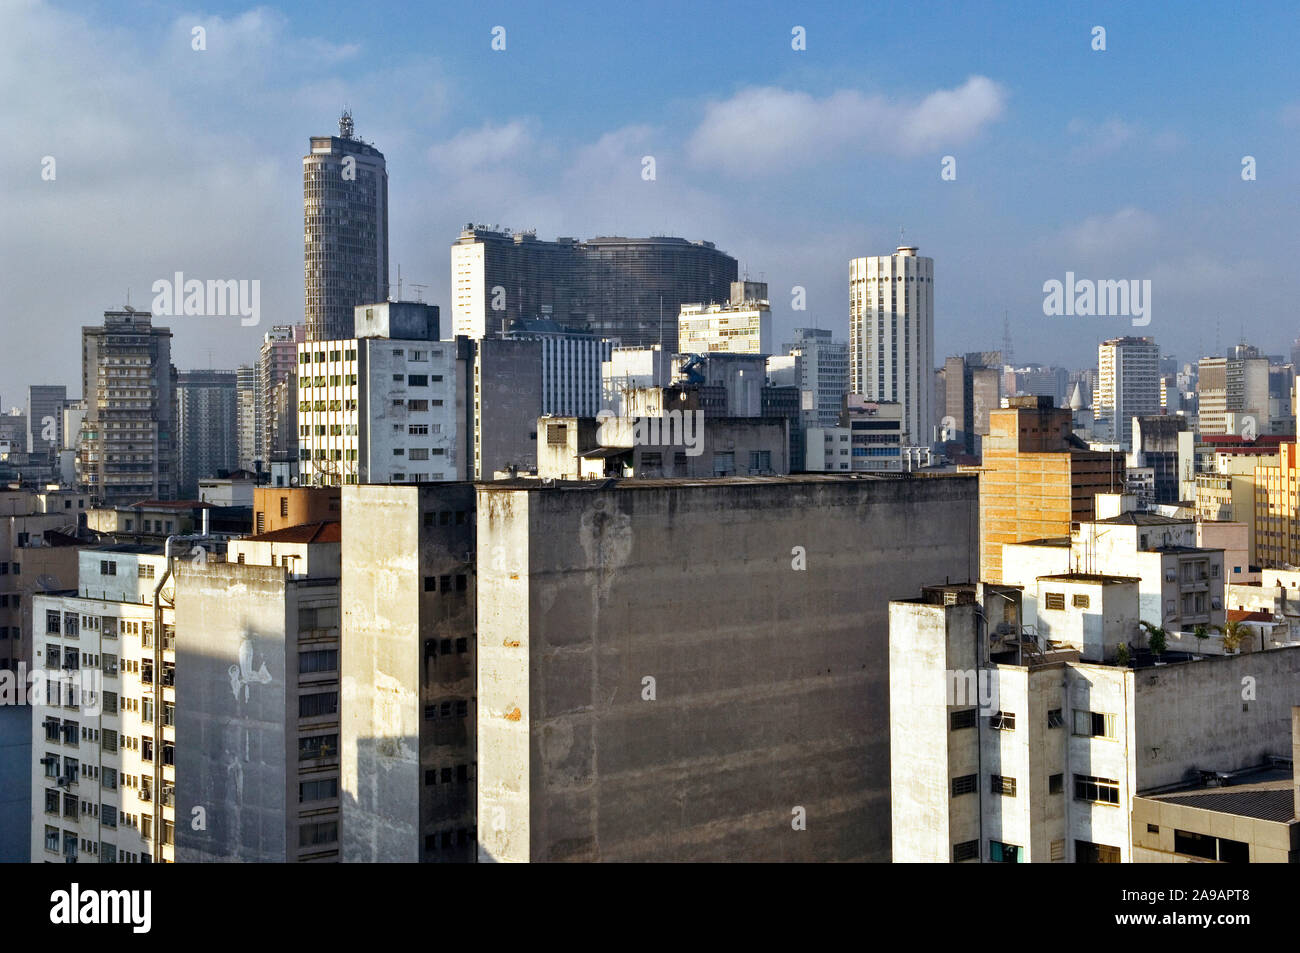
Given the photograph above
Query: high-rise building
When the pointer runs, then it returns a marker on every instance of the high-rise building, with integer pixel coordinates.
(345, 218)
(259, 680)
(248, 417)
(972, 391)
(1128, 385)
(127, 447)
(741, 326)
(208, 403)
(45, 403)
(1232, 389)
(822, 375)
(891, 335)
(571, 366)
(381, 405)
(408, 771)
(626, 289)
(103, 744)
(1036, 479)
(1164, 444)
(607, 673)
(277, 382)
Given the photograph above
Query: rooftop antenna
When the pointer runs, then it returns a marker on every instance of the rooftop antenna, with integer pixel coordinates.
(345, 124)
(128, 299)
(901, 243)
(399, 282)
(419, 291)
(1006, 340)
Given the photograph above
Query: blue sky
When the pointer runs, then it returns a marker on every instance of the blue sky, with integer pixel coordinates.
(1117, 164)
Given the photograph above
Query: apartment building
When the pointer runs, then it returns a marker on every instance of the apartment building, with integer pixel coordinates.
(259, 680)
(869, 439)
(1128, 386)
(382, 406)
(1011, 746)
(103, 748)
(742, 325)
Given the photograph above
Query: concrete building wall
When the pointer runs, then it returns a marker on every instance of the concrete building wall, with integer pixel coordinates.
(507, 396)
(1218, 714)
(407, 671)
(770, 681)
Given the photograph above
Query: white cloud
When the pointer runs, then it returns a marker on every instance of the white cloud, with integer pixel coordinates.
(486, 146)
(767, 129)
(1103, 236)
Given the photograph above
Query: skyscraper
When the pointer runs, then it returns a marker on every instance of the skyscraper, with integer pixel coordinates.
(823, 371)
(891, 334)
(127, 447)
(249, 416)
(345, 218)
(625, 289)
(45, 403)
(209, 432)
(1128, 384)
(277, 384)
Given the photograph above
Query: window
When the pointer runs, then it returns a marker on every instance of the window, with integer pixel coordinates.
(1003, 721)
(322, 703)
(318, 660)
(760, 460)
(318, 790)
(1004, 786)
(145, 571)
(417, 380)
(1097, 790)
(284, 506)
(1000, 853)
(1086, 852)
(51, 801)
(108, 738)
(108, 815)
(1079, 601)
(1153, 828)
(1211, 848)
(1058, 851)
(1056, 784)
(1091, 724)
(53, 621)
(1054, 600)
(107, 567)
(1055, 719)
(108, 778)
(724, 464)
(963, 719)
(318, 746)
(966, 850)
(322, 832)
(52, 839)
(963, 785)
(430, 583)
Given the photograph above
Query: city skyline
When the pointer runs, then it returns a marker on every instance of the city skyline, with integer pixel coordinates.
(754, 150)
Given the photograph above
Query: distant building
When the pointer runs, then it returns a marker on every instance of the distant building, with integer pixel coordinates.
(345, 224)
(208, 403)
(277, 383)
(1128, 386)
(869, 439)
(823, 375)
(743, 325)
(1165, 445)
(45, 403)
(625, 289)
(891, 335)
(248, 416)
(972, 391)
(127, 446)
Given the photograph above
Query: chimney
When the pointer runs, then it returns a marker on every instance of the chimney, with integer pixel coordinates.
(1295, 759)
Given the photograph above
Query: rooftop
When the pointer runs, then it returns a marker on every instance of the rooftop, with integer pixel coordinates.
(1264, 793)
(1133, 518)
(322, 531)
(1092, 577)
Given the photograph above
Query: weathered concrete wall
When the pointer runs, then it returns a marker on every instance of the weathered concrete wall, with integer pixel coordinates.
(1218, 714)
(770, 681)
(509, 378)
(232, 726)
(407, 671)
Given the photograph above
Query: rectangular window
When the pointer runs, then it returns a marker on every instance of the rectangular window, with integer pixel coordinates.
(963, 719)
(318, 746)
(1096, 790)
(322, 832)
(1004, 786)
(322, 703)
(1003, 721)
(1086, 852)
(318, 660)
(1055, 718)
(963, 785)
(1079, 601)
(1054, 600)
(318, 790)
(1000, 853)
(1056, 784)
(966, 850)
(1091, 724)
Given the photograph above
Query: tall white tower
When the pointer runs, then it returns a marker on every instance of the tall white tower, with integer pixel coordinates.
(891, 335)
